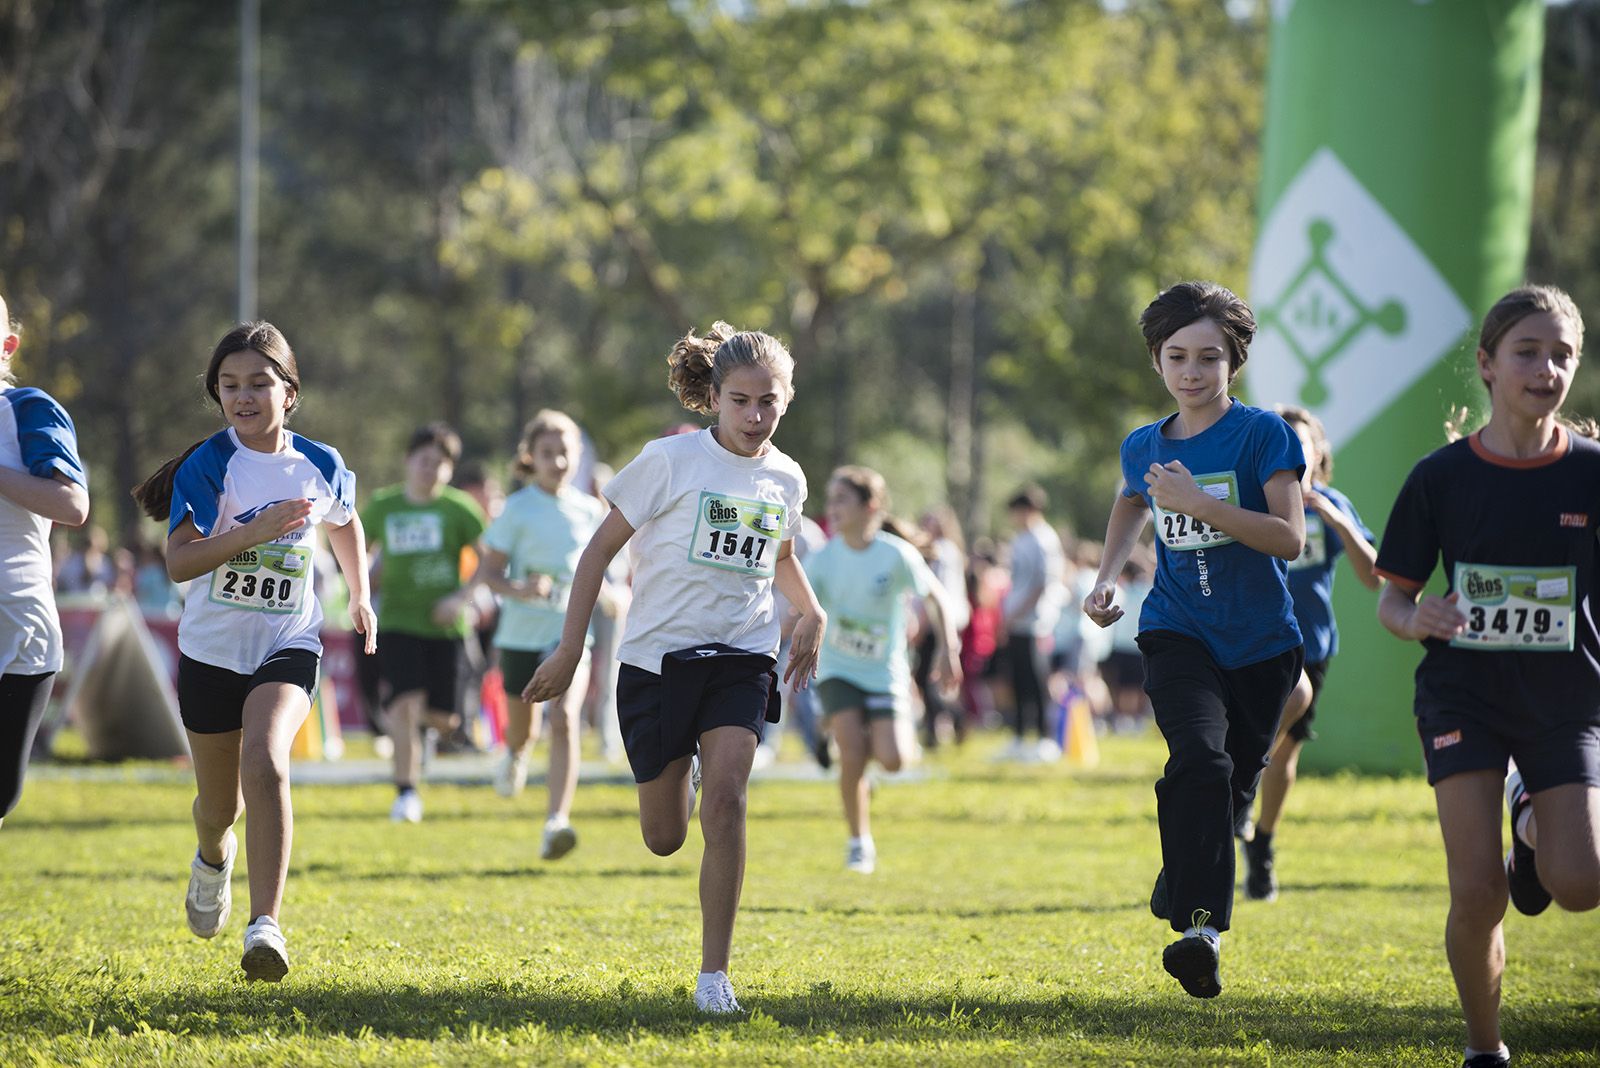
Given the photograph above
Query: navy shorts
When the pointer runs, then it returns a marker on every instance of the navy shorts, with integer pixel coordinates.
(1301, 730)
(410, 662)
(655, 736)
(211, 699)
(1561, 755)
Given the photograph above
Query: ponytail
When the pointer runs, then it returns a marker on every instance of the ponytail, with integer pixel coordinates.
(154, 494)
(696, 365)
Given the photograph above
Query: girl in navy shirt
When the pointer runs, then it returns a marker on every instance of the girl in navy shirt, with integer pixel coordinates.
(1221, 648)
(1511, 670)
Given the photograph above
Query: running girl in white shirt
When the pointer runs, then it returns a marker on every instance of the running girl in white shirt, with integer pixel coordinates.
(710, 517)
(42, 481)
(240, 507)
(529, 555)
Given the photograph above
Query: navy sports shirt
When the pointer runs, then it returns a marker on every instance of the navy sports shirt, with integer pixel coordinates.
(1311, 577)
(1518, 539)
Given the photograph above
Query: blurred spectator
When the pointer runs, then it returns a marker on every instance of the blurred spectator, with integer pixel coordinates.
(155, 591)
(1031, 609)
(88, 568)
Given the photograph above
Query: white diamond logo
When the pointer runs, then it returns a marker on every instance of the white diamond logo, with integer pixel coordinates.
(1350, 311)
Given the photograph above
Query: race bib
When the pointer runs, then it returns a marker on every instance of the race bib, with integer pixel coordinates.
(737, 534)
(1516, 608)
(862, 641)
(268, 578)
(413, 532)
(1315, 553)
(1179, 531)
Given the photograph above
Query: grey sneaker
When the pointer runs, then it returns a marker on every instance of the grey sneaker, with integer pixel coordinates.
(210, 896)
(559, 840)
(265, 957)
(861, 857)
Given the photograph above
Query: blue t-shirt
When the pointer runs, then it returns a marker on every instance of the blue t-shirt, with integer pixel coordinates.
(1311, 577)
(863, 592)
(1232, 598)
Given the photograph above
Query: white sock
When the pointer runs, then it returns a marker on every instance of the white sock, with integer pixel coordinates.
(1503, 1050)
(864, 841)
(1525, 829)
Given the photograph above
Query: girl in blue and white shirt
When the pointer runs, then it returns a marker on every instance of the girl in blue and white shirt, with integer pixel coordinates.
(41, 482)
(241, 507)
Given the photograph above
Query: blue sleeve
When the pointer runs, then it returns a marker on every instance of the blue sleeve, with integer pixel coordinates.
(197, 488)
(1347, 506)
(330, 465)
(1277, 448)
(1132, 481)
(45, 436)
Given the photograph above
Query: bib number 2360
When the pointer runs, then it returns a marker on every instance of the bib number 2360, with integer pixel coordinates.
(737, 534)
(268, 578)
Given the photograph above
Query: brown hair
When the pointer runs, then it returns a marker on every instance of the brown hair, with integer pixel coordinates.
(873, 491)
(1302, 417)
(545, 421)
(1507, 312)
(1189, 302)
(154, 494)
(440, 434)
(697, 365)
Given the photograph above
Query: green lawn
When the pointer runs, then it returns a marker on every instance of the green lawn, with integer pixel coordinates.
(1006, 925)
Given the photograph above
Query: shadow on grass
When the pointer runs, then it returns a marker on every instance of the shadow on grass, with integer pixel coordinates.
(1162, 1018)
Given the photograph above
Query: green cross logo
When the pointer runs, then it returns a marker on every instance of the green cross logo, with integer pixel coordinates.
(1319, 315)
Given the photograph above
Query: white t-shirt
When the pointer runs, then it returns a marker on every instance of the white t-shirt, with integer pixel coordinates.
(260, 602)
(36, 436)
(708, 525)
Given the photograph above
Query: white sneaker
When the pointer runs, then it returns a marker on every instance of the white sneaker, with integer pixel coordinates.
(559, 840)
(512, 775)
(407, 808)
(265, 956)
(210, 896)
(694, 772)
(714, 994)
(1047, 751)
(861, 856)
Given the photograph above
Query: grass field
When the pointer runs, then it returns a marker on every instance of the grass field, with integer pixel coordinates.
(1007, 924)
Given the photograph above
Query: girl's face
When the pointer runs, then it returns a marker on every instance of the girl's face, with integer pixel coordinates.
(1309, 447)
(1193, 364)
(847, 512)
(1531, 368)
(552, 456)
(748, 408)
(255, 398)
(428, 468)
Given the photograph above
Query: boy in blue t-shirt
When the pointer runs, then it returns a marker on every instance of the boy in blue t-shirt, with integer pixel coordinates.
(1222, 651)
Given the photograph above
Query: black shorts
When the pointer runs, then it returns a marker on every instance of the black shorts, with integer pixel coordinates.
(1554, 756)
(409, 662)
(211, 699)
(518, 665)
(1301, 730)
(653, 740)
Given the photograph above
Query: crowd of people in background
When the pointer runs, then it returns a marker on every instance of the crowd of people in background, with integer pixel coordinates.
(1222, 635)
